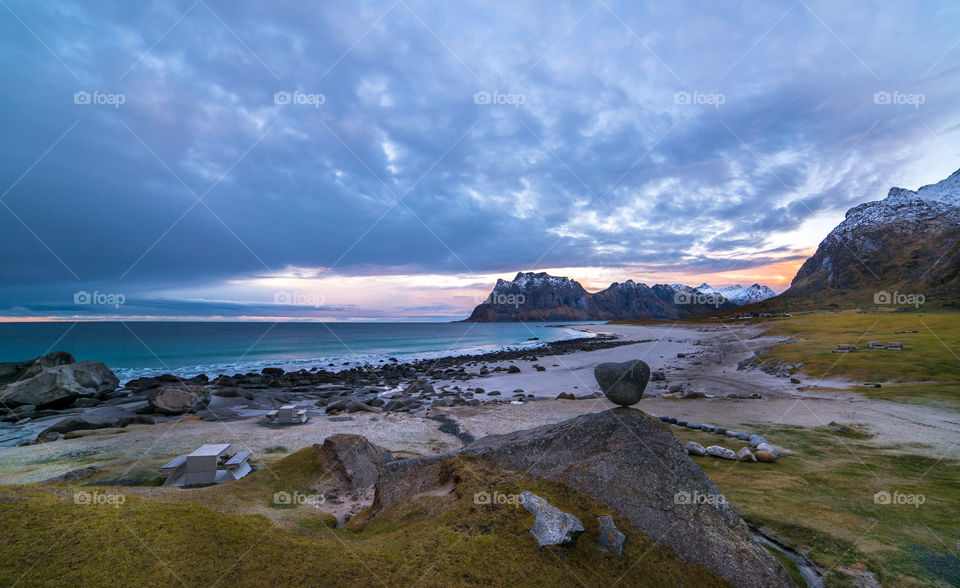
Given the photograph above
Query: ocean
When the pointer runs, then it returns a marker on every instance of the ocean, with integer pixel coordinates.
(134, 349)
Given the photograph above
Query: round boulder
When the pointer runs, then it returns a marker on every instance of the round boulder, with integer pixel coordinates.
(765, 457)
(623, 383)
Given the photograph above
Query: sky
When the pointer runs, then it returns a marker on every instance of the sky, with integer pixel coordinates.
(389, 160)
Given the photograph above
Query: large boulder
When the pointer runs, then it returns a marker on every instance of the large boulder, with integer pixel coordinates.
(60, 386)
(354, 459)
(623, 383)
(178, 399)
(14, 371)
(632, 463)
(405, 479)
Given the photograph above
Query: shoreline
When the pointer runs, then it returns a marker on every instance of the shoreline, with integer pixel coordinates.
(418, 403)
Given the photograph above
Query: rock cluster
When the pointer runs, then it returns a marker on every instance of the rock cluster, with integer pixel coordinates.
(58, 385)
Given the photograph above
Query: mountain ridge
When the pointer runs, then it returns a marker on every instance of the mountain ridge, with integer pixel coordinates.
(538, 296)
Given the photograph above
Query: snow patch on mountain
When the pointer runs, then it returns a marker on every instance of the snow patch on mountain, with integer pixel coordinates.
(738, 294)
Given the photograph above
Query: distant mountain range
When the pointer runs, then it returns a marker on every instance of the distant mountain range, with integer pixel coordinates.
(542, 297)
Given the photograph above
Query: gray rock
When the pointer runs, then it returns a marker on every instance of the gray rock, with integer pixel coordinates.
(14, 371)
(610, 539)
(746, 455)
(721, 452)
(19, 413)
(766, 447)
(404, 479)
(73, 475)
(675, 388)
(354, 460)
(60, 386)
(551, 526)
(633, 463)
(623, 383)
(178, 399)
(694, 448)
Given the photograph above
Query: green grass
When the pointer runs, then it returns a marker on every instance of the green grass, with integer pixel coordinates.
(821, 497)
(931, 354)
(196, 537)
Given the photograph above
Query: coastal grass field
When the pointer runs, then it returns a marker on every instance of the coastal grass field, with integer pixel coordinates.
(821, 497)
(931, 346)
(205, 537)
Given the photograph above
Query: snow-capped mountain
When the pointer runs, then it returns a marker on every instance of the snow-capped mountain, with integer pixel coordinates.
(905, 242)
(738, 294)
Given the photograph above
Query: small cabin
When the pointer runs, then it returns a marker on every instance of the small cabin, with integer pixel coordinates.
(895, 345)
(845, 348)
(875, 345)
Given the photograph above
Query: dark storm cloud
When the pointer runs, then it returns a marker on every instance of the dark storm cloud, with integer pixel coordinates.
(619, 153)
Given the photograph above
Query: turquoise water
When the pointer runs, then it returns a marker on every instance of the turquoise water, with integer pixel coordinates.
(135, 349)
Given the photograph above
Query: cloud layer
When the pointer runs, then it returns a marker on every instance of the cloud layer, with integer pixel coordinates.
(406, 138)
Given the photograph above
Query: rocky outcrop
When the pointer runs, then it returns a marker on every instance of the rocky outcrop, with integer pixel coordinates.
(60, 386)
(354, 459)
(632, 463)
(408, 478)
(21, 370)
(177, 399)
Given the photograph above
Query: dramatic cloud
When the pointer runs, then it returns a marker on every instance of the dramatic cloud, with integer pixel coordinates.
(206, 158)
